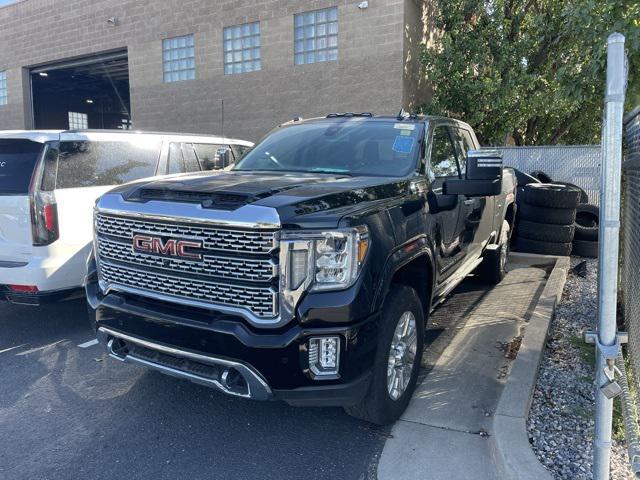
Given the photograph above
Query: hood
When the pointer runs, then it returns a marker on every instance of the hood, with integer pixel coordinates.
(308, 199)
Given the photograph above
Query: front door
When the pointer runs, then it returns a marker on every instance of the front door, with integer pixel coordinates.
(449, 242)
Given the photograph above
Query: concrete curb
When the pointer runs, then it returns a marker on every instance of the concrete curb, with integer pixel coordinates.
(510, 446)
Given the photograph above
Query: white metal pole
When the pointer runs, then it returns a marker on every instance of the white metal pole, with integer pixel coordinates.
(608, 250)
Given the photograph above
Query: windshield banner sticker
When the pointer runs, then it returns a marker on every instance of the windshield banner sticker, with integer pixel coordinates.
(403, 144)
(405, 126)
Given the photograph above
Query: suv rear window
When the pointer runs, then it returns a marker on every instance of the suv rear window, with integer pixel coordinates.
(95, 163)
(18, 158)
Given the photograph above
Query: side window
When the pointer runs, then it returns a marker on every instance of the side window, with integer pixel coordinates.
(87, 163)
(443, 155)
(50, 171)
(176, 160)
(213, 157)
(464, 143)
(190, 160)
(239, 151)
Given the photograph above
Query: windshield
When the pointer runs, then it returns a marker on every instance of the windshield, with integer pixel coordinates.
(343, 146)
(18, 159)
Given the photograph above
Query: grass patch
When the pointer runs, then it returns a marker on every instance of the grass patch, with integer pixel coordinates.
(586, 351)
(618, 421)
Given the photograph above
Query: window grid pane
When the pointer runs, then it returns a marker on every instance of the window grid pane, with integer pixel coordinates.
(78, 121)
(316, 36)
(178, 59)
(3, 88)
(242, 48)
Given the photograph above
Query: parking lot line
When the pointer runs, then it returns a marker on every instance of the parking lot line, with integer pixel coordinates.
(88, 344)
(12, 348)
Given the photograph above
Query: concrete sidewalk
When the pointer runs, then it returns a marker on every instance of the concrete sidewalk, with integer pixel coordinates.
(444, 434)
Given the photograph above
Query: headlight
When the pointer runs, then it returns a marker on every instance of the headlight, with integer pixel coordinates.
(327, 260)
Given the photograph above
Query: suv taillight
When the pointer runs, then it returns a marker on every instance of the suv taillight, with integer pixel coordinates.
(44, 218)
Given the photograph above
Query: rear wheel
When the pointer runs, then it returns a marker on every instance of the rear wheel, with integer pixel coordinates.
(398, 356)
(494, 264)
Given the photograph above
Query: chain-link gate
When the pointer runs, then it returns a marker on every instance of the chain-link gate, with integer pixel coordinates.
(630, 281)
(578, 164)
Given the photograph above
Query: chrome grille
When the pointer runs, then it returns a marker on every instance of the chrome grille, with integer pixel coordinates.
(252, 269)
(214, 238)
(260, 301)
(238, 268)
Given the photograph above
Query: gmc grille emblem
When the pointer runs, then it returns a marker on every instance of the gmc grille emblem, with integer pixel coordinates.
(171, 247)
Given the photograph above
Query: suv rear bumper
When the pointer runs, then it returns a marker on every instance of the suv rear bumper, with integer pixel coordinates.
(57, 271)
(39, 298)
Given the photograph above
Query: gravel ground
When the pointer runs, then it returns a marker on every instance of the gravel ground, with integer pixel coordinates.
(561, 421)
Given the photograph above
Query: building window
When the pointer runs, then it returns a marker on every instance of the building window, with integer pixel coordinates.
(3, 88)
(316, 36)
(78, 121)
(242, 48)
(178, 59)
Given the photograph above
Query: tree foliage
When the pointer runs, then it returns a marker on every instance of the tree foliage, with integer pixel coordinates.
(529, 71)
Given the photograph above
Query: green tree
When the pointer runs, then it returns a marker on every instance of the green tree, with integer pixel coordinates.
(530, 71)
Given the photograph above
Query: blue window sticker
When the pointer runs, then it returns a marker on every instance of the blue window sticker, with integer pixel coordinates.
(403, 144)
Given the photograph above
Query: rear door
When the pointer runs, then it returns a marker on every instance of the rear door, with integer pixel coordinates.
(477, 212)
(19, 159)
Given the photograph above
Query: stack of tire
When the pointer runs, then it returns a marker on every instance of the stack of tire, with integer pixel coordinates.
(547, 219)
(554, 218)
(585, 242)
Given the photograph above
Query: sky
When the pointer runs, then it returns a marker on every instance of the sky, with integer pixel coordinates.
(6, 2)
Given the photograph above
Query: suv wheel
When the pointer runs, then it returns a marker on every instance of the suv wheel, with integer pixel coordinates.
(398, 356)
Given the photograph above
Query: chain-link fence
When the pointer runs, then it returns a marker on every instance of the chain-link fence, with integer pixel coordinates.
(629, 284)
(578, 164)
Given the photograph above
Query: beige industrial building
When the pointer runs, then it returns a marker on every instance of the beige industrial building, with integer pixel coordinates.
(233, 67)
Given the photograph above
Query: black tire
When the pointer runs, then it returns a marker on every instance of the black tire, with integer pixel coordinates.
(377, 406)
(545, 232)
(584, 198)
(551, 195)
(523, 179)
(493, 268)
(552, 216)
(519, 196)
(585, 248)
(587, 222)
(541, 176)
(542, 248)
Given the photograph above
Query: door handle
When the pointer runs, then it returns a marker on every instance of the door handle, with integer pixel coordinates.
(469, 202)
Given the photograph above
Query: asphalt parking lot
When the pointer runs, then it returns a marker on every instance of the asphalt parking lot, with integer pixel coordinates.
(68, 411)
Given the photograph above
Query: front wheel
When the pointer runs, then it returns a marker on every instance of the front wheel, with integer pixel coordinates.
(398, 356)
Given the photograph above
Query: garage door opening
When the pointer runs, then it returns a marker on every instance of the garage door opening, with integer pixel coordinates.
(90, 92)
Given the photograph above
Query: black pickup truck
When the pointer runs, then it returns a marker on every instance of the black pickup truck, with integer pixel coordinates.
(307, 272)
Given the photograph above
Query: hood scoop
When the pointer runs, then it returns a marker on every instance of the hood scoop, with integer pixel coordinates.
(215, 200)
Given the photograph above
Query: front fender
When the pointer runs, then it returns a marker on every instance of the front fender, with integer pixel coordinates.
(403, 255)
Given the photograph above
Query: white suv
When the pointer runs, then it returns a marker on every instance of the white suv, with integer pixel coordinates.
(49, 182)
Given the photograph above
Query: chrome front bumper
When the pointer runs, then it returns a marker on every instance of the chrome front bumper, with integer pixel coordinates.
(228, 376)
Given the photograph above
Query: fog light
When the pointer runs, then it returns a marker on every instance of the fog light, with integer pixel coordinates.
(324, 355)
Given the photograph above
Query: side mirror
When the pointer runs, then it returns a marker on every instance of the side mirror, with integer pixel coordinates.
(224, 157)
(483, 176)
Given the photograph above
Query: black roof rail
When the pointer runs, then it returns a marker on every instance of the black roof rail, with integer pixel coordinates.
(350, 114)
